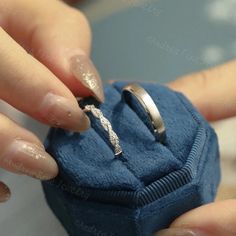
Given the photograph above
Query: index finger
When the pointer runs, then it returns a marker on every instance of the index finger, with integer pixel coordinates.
(212, 91)
(30, 87)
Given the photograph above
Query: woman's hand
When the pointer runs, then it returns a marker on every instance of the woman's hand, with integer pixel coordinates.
(213, 92)
(44, 64)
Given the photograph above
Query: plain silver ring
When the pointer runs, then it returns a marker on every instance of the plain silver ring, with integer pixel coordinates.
(151, 109)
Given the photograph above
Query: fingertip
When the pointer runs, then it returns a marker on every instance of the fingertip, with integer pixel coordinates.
(51, 172)
(63, 112)
(214, 219)
(83, 125)
(85, 72)
(180, 232)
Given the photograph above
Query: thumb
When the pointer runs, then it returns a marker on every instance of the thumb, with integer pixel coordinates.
(218, 219)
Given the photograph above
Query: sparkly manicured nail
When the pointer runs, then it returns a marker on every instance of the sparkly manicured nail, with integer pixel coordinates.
(4, 192)
(179, 232)
(61, 112)
(29, 159)
(84, 70)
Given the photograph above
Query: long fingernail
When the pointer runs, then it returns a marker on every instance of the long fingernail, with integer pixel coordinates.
(5, 193)
(84, 70)
(30, 159)
(61, 112)
(179, 232)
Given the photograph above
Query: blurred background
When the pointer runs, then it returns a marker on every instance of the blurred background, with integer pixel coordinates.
(137, 40)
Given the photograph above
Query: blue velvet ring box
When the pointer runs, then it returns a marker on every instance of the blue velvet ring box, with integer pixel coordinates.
(99, 194)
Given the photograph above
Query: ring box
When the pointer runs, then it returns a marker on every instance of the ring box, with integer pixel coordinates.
(97, 193)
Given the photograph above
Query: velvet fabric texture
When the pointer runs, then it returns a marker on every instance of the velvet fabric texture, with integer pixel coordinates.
(99, 194)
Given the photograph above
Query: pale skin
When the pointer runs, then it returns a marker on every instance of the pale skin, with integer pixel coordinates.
(213, 92)
(43, 78)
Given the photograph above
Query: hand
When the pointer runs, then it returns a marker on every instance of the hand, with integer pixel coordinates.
(213, 92)
(45, 83)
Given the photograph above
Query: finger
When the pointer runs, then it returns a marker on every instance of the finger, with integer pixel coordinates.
(218, 219)
(59, 36)
(5, 193)
(30, 87)
(211, 91)
(21, 152)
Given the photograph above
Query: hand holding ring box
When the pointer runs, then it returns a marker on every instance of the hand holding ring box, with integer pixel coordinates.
(153, 182)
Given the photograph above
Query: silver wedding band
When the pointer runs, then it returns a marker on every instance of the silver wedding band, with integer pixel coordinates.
(151, 109)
